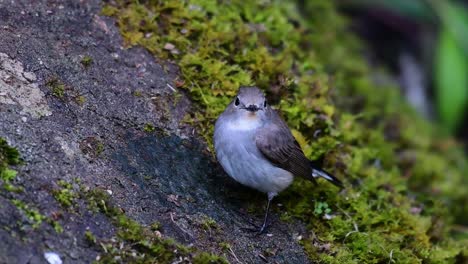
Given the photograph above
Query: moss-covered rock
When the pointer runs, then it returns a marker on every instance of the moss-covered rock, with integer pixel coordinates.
(134, 243)
(404, 182)
(8, 157)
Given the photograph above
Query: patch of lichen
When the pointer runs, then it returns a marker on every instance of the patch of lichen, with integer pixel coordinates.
(134, 243)
(404, 183)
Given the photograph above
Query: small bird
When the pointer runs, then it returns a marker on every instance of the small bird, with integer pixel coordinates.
(257, 149)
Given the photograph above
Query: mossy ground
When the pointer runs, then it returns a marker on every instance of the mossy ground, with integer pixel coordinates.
(404, 183)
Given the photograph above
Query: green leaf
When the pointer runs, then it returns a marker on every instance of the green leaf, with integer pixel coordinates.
(454, 18)
(451, 71)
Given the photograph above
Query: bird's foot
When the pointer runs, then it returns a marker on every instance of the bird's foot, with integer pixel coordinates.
(256, 229)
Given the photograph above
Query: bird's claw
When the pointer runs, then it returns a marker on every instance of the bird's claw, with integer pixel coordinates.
(258, 230)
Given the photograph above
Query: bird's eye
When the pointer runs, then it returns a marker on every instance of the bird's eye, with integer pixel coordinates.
(237, 102)
(265, 103)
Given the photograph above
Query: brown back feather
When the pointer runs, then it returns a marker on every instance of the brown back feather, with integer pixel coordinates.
(276, 142)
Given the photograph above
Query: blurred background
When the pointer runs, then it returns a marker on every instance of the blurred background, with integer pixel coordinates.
(424, 43)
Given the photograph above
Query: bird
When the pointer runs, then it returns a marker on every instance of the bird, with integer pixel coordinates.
(256, 148)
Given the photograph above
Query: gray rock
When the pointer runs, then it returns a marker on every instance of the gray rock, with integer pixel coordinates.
(74, 121)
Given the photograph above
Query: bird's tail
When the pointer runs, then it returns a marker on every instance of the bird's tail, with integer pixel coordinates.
(318, 173)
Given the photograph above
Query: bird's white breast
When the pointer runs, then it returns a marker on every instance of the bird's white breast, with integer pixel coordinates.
(237, 152)
(249, 123)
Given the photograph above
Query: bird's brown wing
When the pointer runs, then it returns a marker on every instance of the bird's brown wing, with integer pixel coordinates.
(279, 146)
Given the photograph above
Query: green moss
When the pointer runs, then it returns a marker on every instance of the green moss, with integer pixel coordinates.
(149, 128)
(33, 215)
(206, 258)
(56, 225)
(137, 94)
(86, 61)
(135, 243)
(99, 148)
(208, 223)
(155, 226)
(225, 245)
(7, 175)
(90, 237)
(65, 195)
(57, 87)
(8, 157)
(92, 146)
(80, 100)
(108, 10)
(404, 182)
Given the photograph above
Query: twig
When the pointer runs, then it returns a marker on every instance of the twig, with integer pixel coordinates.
(263, 258)
(234, 255)
(182, 229)
(170, 87)
(391, 257)
(349, 233)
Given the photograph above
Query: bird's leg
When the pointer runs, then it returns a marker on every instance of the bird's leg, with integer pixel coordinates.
(265, 220)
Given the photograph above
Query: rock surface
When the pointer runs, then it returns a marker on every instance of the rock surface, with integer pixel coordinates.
(77, 105)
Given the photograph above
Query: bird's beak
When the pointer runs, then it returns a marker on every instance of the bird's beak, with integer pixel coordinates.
(252, 108)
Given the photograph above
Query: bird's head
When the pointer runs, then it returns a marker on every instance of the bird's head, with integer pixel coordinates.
(250, 101)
